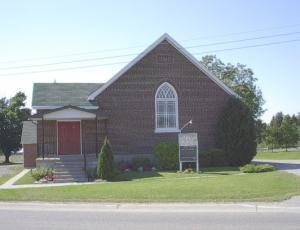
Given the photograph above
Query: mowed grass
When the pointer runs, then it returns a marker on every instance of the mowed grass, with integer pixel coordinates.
(290, 155)
(26, 179)
(226, 185)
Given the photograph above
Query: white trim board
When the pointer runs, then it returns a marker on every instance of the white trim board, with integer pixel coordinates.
(57, 107)
(69, 114)
(176, 45)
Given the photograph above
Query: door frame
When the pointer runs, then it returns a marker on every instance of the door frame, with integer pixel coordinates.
(57, 121)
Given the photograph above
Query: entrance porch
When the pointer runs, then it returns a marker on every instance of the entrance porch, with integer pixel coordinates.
(68, 140)
(70, 131)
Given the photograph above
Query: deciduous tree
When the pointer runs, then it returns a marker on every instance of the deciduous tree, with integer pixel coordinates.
(239, 78)
(12, 114)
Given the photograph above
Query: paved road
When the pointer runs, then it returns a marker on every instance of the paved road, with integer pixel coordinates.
(292, 166)
(91, 216)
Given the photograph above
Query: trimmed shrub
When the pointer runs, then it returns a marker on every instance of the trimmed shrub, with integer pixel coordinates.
(212, 158)
(144, 162)
(41, 172)
(166, 156)
(251, 168)
(236, 134)
(105, 166)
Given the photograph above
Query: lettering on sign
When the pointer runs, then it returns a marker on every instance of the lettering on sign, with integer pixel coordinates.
(188, 153)
(188, 149)
(188, 139)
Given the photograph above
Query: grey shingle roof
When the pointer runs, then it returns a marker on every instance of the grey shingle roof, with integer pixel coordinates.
(62, 94)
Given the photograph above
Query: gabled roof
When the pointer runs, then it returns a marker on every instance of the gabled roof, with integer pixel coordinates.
(55, 95)
(176, 45)
(42, 113)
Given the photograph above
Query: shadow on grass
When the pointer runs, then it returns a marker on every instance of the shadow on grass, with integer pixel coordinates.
(133, 175)
(221, 170)
(128, 176)
(10, 163)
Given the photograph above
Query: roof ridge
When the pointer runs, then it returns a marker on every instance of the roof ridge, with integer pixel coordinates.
(181, 50)
(68, 83)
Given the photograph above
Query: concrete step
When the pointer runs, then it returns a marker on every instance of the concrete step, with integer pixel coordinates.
(68, 177)
(70, 162)
(69, 169)
(70, 180)
(69, 174)
(57, 165)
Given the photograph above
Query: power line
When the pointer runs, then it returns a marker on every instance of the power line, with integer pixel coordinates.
(245, 32)
(245, 39)
(72, 54)
(139, 46)
(62, 69)
(67, 62)
(116, 63)
(250, 46)
(132, 54)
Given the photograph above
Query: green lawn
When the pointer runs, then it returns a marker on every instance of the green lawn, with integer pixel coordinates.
(11, 172)
(26, 179)
(224, 185)
(291, 155)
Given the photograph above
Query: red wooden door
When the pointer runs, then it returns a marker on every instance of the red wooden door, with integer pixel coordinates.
(69, 137)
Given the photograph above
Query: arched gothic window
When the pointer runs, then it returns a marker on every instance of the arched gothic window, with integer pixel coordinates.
(166, 109)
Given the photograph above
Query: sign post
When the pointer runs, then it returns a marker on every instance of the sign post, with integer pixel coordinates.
(188, 149)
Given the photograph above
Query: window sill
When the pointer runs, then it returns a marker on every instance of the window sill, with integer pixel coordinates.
(166, 130)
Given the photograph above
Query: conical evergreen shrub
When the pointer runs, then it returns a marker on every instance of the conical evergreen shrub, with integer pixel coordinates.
(105, 166)
(236, 134)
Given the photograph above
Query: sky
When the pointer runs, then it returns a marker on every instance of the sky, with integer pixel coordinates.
(90, 41)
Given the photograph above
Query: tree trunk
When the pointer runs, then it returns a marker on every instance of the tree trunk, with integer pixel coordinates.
(6, 158)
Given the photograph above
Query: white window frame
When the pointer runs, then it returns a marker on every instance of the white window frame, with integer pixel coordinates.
(167, 130)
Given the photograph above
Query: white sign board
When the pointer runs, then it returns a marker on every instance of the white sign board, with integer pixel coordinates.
(188, 139)
(188, 149)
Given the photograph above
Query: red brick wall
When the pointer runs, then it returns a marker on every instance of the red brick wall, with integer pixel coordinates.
(30, 154)
(88, 129)
(130, 102)
(50, 137)
(89, 139)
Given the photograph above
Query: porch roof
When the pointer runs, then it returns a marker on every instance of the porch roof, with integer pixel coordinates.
(43, 113)
(54, 95)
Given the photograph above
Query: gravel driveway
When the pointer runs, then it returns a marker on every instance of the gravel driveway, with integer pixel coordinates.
(291, 166)
(6, 169)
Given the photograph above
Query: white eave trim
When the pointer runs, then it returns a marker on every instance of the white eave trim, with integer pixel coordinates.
(176, 45)
(69, 114)
(56, 107)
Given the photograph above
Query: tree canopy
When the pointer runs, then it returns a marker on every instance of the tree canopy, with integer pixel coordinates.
(12, 114)
(240, 79)
(282, 131)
